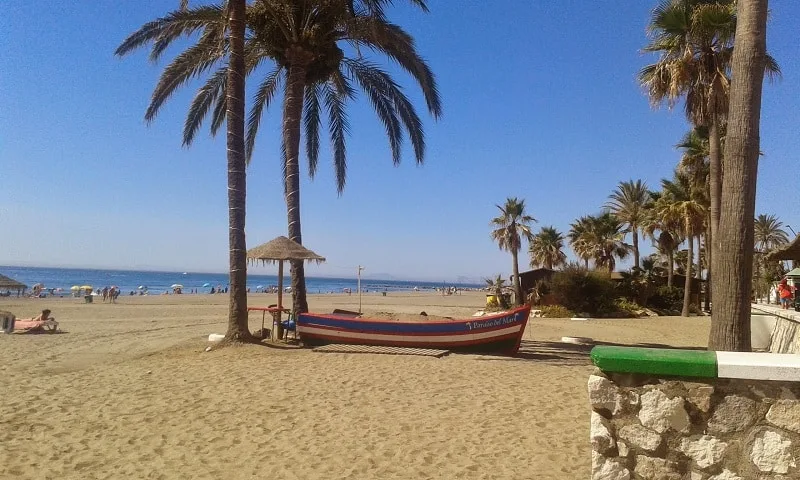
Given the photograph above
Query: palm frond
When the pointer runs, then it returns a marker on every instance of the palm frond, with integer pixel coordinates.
(311, 122)
(219, 114)
(261, 100)
(376, 84)
(339, 127)
(174, 25)
(192, 62)
(398, 45)
(201, 104)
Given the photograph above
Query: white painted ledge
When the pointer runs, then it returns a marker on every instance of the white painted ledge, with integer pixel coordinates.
(789, 314)
(758, 366)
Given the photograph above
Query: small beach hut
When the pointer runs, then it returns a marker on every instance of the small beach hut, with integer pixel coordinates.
(7, 284)
(279, 250)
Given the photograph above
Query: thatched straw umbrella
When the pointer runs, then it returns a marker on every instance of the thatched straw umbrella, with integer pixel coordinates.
(790, 251)
(280, 250)
(7, 283)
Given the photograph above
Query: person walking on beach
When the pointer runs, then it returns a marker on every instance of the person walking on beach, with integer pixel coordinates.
(785, 293)
(105, 294)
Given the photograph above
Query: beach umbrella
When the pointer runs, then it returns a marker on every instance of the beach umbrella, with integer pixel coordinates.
(141, 287)
(87, 287)
(790, 251)
(176, 285)
(280, 250)
(75, 288)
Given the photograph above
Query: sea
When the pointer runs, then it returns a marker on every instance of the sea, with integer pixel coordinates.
(159, 282)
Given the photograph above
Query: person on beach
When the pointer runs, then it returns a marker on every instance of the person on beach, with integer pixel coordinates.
(44, 316)
(785, 293)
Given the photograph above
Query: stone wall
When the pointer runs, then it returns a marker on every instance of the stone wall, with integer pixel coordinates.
(785, 336)
(643, 427)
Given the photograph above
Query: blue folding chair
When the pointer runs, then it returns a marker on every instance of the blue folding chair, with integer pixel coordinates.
(290, 325)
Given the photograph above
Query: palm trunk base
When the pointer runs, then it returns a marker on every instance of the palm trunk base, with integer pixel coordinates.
(299, 294)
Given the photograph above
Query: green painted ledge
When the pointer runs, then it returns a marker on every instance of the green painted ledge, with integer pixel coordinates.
(655, 361)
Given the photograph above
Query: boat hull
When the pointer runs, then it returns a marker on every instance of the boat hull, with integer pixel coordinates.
(501, 333)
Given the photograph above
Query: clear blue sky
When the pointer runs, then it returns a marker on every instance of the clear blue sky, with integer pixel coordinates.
(540, 102)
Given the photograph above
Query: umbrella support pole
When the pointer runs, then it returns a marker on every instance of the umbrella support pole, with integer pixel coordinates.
(277, 331)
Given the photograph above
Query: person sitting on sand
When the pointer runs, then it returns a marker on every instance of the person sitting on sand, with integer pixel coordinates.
(44, 316)
(39, 323)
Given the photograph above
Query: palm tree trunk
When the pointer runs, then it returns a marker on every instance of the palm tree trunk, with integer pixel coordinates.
(730, 322)
(715, 190)
(238, 329)
(586, 263)
(698, 275)
(292, 116)
(635, 236)
(709, 263)
(517, 285)
(687, 284)
(670, 267)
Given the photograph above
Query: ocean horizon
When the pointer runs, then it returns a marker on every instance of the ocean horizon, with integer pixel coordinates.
(160, 281)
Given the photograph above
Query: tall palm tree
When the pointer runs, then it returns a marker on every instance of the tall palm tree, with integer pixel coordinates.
(546, 248)
(510, 227)
(695, 166)
(221, 30)
(578, 236)
(664, 231)
(768, 233)
(730, 321)
(694, 39)
(629, 204)
(606, 237)
(682, 203)
(306, 42)
(238, 328)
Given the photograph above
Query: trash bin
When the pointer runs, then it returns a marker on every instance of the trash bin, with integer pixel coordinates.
(87, 298)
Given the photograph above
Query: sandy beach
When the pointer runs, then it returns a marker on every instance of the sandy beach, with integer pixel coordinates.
(128, 392)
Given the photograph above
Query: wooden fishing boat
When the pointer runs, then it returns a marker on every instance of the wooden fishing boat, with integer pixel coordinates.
(498, 333)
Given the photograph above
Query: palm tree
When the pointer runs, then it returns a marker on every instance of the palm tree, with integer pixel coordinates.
(730, 321)
(546, 248)
(496, 286)
(304, 40)
(238, 328)
(681, 203)
(578, 236)
(664, 232)
(769, 233)
(693, 39)
(221, 30)
(511, 226)
(629, 203)
(606, 238)
(695, 166)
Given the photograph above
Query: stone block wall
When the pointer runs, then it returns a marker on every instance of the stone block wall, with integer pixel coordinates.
(646, 427)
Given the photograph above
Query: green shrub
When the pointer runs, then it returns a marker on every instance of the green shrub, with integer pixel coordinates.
(667, 299)
(626, 309)
(584, 291)
(556, 311)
